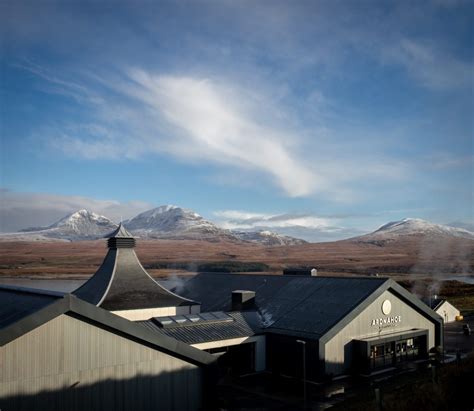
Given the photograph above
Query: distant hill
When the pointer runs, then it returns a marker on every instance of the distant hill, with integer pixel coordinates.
(461, 224)
(80, 225)
(173, 222)
(411, 228)
(268, 238)
(176, 223)
(165, 222)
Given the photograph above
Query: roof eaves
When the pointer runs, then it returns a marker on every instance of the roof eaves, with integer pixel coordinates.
(69, 304)
(419, 305)
(354, 312)
(440, 303)
(34, 320)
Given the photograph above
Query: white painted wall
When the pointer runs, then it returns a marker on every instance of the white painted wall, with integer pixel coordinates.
(260, 351)
(448, 312)
(147, 313)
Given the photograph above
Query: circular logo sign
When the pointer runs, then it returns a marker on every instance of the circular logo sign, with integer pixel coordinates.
(386, 307)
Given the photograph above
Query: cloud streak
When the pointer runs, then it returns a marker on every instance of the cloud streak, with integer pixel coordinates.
(209, 122)
(213, 123)
(235, 219)
(307, 226)
(432, 67)
(22, 210)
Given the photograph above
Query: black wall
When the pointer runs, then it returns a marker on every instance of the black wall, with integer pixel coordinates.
(285, 357)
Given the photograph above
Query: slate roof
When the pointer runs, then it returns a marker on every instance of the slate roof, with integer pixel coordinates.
(121, 283)
(22, 310)
(121, 231)
(244, 324)
(19, 302)
(433, 303)
(295, 305)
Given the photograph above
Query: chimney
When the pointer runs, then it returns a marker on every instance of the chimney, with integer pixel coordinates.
(243, 300)
(306, 271)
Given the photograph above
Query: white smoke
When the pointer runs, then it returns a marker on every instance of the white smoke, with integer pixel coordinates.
(265, 318)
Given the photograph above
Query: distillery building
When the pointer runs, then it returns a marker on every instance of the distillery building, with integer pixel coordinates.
(123, 341)
(254, 323)
(343, 324)
(81, 351)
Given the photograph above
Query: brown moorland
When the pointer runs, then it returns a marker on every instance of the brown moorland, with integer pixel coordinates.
(414, 255)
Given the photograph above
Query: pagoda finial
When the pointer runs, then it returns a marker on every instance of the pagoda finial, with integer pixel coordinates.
(120, 238)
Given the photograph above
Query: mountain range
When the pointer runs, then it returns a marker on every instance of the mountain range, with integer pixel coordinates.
(175, 223)
(165, 222)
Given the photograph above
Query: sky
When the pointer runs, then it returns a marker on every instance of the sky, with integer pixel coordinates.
(319, 119)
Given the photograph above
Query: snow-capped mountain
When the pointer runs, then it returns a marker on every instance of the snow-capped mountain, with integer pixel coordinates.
(413, 227)
(165, 222)
(173, 222)
(169, 221)
(80, 225)
(463, 225)
(268, 238)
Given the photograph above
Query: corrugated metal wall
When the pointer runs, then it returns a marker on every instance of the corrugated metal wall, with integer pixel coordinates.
(70, 364)
(338, 350)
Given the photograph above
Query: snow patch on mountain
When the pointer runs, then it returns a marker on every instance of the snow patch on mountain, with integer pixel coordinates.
(268, 238)
(164, 222)
(80, 225)
(170, 221)
(413, 227)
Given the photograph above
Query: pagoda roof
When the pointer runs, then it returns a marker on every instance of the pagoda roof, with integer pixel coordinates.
(121, 282)
(121, 231)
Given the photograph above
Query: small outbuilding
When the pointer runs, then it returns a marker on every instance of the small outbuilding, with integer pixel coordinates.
(448, 312)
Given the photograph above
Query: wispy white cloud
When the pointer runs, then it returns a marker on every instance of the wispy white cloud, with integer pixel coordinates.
(235, 219)
(446, 161)
(240, 215)
(22, 210)
(307, 226)
(430, 65)
(211, 122)
(215, 123)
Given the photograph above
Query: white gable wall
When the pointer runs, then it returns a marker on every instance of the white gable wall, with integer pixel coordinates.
(448, 312)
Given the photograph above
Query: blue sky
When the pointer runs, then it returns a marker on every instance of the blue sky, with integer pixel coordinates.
(322, 119)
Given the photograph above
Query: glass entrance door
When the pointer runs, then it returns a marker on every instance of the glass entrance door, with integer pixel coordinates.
(391, 353)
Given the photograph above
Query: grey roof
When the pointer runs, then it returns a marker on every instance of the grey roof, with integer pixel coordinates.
(19, 302)
(121, 283)
(121, 231)
(433, 303)
(295, 305)
(243, 324)
(23, 310)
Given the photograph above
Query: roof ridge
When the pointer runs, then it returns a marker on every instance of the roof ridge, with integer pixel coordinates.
(342, 277)
(30, 290)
